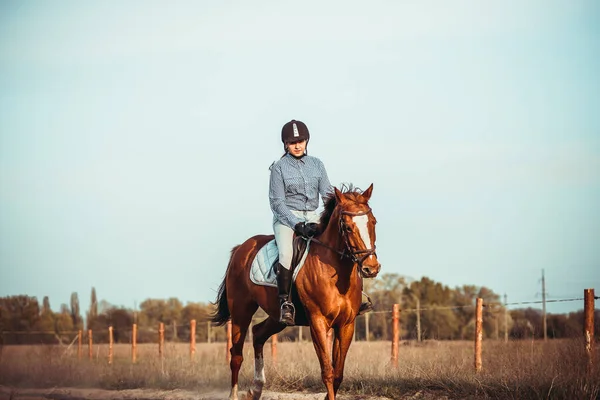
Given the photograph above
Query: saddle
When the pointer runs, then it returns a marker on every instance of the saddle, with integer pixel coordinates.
(262, 270)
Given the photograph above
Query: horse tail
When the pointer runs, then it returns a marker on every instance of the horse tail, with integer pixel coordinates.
(221, 315)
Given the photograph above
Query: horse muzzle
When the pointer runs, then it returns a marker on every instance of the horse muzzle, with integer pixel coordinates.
(371, 269)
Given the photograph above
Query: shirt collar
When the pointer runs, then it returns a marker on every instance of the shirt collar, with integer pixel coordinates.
(292, 158)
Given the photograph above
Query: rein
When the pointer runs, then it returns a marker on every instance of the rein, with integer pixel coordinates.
(349, 251)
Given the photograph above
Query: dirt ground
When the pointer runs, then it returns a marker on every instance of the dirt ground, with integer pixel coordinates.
(7, 393)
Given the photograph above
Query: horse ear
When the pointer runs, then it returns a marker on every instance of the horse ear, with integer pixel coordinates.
(339, 196)
(367, 193)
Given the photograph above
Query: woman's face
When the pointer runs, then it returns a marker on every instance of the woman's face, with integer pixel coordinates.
(296, 148)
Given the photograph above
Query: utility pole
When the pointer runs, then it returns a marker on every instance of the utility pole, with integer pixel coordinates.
(418, 319)
(418, 302)
(505, 320)
(496, 321)
(544, 304)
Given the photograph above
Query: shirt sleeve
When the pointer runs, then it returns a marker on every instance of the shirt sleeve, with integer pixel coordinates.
(325, 187)
(277, 199)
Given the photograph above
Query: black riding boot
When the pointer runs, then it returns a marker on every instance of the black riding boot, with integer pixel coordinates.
(284, 284)
(365, 307)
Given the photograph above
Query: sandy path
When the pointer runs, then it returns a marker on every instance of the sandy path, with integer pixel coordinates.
(7, 393)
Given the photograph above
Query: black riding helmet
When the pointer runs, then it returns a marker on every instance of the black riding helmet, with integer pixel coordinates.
(294, 131)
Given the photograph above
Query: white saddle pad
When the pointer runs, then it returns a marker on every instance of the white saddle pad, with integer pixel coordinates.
(262, 271)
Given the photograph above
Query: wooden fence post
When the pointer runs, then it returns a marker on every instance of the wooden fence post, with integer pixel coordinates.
(192, 338)
(208, 332)
(79, 344)
(395, 334)
(588, 312)
(110, 344)
(161, 339)
(134, 344)
(229, 341)
(367, 327)
(505, 320)
(478, 333)
(90, 343)
(274, 348)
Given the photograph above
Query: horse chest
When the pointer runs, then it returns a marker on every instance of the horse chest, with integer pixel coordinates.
(328, 295)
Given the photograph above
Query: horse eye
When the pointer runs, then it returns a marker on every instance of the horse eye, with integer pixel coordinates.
(348, 229)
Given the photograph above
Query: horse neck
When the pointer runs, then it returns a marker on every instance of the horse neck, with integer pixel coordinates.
(331, 235)
(332, 238)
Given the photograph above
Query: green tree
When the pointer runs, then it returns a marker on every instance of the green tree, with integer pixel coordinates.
(438, 321)
(46, 323)
(64, 322)
(75, 311)
(464, 298)
(46, 305)
(199, 312)
(385, 291)
(93, 311)
(121, 319)
(19, 313)
(153, 311)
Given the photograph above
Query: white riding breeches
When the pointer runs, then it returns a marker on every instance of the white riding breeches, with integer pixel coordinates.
(284, 236)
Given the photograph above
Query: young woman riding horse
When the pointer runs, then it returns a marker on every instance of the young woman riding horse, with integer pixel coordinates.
(296, 181)
(329, 290)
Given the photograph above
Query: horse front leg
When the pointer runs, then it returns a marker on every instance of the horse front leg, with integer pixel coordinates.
(318, 332)
(341, 344)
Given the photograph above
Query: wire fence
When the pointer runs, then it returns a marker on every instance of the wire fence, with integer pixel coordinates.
(203, 331)
(490, 305)
(87, 337)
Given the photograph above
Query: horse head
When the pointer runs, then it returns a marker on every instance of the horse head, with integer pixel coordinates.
(356, 227)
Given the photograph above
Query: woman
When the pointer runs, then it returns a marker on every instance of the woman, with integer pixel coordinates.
(297, 180)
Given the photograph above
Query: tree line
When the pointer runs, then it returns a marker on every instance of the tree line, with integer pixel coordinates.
(430, 310)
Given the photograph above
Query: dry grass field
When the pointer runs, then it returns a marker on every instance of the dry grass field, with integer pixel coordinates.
(515, 370)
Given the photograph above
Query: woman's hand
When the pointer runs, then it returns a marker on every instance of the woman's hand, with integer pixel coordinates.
(306, 230)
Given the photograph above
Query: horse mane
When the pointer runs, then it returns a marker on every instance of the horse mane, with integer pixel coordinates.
(329, 202)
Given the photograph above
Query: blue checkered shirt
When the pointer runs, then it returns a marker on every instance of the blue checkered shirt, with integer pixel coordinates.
(295, 185)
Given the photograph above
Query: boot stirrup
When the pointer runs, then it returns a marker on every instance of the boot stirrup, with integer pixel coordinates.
(290, 305)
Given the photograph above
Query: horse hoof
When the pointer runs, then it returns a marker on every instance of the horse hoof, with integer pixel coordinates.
(252, 395)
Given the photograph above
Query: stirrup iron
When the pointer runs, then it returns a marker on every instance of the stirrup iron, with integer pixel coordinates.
(289, 306)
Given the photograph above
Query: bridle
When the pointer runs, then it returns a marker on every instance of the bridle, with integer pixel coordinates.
(356, 255)
(350, 251)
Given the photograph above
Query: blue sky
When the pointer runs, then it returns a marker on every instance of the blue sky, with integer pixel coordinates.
(135, 139)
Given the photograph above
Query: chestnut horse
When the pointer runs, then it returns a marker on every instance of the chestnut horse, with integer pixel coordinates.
(327, 290)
